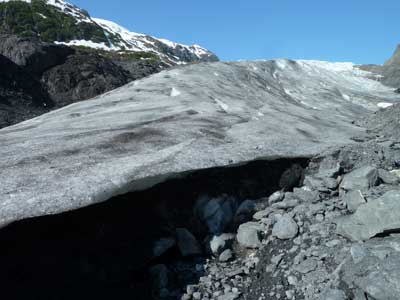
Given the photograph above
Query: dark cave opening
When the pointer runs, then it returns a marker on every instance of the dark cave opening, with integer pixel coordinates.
(111, 244)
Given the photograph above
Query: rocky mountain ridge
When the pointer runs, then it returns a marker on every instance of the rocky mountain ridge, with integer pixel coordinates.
(60, 22)
(389, 72)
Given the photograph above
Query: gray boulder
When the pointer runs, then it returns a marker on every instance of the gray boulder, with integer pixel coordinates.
(377, 271)
(276, 197)
(249, 234)
(163, 245)
(263, 213)
(245, 212)
(388, 177)
(187, 243)
(285, 227)
(291, 177)
(225, 256)
(305, 194)
(379, 216)
(334, 294)
(353, 200)
(160, 277)
(216, 213)
(360, 179)
(221, 242)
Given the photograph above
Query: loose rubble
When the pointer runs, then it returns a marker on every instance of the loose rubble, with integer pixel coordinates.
(335, 235)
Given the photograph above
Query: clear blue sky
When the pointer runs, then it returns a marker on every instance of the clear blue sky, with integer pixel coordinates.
(361, 31)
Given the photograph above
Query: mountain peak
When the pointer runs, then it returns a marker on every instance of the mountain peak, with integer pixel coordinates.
(60, 22)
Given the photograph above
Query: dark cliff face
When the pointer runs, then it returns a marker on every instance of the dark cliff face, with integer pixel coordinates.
(83, 76)
(21, 95)
(38, 76)
(32, 54)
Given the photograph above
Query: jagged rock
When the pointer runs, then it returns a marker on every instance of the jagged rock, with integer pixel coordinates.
(163, 245)
(249, 235)
(245, 212)
(216, 213)
(387, 177)
(187, 243)
(276, 197)
(287, 203)
(306, 195)
(372, 218)
(306, 266)
(334, 294)
(360, 179)
(226, 255)
(220, 243)
(315, 183)
(160, 276)
(353, 200)
(291, 177)
(263, 213)
(83, 76)
(228, 296)
(377, 271)
(32, 54)
(285, 228)
(21, 95)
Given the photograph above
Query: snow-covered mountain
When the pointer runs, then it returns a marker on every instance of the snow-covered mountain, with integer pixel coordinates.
(63, 23)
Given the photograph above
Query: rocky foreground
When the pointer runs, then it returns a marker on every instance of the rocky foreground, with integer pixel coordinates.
(334, 237)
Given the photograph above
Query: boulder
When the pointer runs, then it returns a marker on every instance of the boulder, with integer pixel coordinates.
(263, 213)
(163, 245)
(375, 217)
(315, 183)
(216, 213)
(305, 194)
(388, 177)
(221, 242)
(360, 179)
(376, 271)
(291, 177)
(245, 212)
(353, 200)
(285, 227)
(225, 256)
(160, 278)
(187, 243)
(249, 235)
(276, 197)
(334, 294)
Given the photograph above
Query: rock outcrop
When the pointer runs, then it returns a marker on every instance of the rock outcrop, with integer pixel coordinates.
(21, 95)
(66, 75)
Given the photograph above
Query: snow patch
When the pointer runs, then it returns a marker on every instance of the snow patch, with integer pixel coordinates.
(346, 97)
(384, 104)
(85, 43)
(174, 92)
(221, 104)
